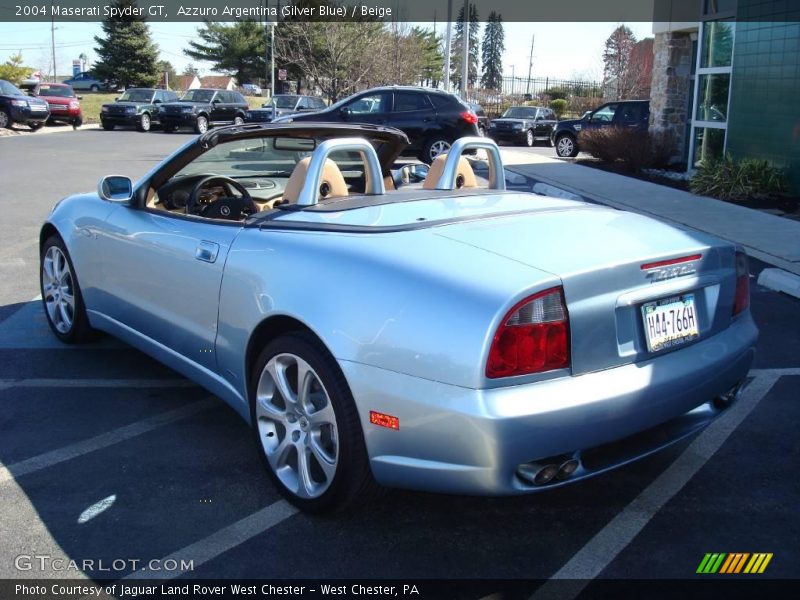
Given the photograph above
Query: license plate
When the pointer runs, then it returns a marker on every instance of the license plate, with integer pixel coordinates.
(670, 322)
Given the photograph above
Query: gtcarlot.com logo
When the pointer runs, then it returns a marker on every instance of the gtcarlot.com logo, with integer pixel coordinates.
(734, 562)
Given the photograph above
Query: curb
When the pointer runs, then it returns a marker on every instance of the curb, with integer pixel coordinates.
(47, 130)
(780, 281)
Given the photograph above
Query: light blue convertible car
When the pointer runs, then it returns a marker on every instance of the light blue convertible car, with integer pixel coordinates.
(377, 329)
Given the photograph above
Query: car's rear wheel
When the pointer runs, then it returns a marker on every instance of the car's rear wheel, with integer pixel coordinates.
(306, 426)
(201, 125)
(108, 126)
(61, 294)
(35, 126)
(5, 120)
(481, 131)
(435, 147)
(144, 122)
(566, 146)
(94, 88)
(238, 120)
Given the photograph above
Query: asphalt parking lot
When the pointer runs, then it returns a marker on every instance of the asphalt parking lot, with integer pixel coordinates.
(107, 455)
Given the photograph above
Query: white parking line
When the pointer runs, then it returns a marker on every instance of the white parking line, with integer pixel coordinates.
(96, 383)
(115, 436)
(223, 540)
(603, 548)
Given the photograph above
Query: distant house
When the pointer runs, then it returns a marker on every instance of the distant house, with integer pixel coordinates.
(219, 82)
(183, 83)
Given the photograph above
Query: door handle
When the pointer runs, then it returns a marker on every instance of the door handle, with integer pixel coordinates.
(207, 251)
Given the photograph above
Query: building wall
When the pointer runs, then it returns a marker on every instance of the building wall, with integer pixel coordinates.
(764, 111)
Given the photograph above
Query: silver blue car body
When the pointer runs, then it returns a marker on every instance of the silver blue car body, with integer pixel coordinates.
(406, 290)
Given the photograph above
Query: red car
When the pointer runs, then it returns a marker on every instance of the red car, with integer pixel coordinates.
(65, 106)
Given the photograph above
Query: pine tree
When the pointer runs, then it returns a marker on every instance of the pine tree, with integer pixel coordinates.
(127, 54)
(474, 51)
(492, 52)
(237, 48)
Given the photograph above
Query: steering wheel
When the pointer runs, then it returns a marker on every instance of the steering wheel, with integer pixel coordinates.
(229, 207)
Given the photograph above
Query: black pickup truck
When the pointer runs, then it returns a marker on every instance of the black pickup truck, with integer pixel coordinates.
(202, 108)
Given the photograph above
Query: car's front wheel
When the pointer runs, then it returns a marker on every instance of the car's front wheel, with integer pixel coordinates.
(94, 88)
(201, 125)
(61, 294)
(529, 139)
(238, 120)
(5, 120)
(566, 146)
(108, 126)
(434, 148)
(144, 122)
(306, 426)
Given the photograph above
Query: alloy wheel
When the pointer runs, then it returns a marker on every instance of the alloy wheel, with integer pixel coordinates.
(58, 289)
(4, 121)
(565, 146)
(202, 124)
(439, 147)
(297, 425)
(529, 138)
(145, 122)
(238, 121)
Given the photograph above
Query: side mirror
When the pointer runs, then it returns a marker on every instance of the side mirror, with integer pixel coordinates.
(216, 101)
(156, 101)
(115, 188)
(345, 113)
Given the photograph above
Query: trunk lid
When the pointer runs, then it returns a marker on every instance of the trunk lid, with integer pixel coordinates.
(598, 254)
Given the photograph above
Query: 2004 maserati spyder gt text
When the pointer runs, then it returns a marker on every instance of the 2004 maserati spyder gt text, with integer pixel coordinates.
(379, 327)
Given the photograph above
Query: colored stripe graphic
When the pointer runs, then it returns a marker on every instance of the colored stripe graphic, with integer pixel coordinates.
(734, 562)
(758, 563)
(711, 562)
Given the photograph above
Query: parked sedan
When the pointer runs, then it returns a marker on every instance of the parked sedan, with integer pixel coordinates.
(86, 81)
(64, 105)
(17, 107)
(523, 125)
(448, 337)
(284, 104)
(201, 109)
(137, 107)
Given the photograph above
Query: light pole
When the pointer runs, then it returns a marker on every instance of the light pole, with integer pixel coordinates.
(447, 45)
(272, 59)
(465, 49)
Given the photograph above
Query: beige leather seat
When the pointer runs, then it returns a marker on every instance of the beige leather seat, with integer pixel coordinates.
(465, 176)
(331, 184)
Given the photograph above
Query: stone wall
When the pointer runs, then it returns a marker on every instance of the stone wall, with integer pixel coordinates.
(670, 89)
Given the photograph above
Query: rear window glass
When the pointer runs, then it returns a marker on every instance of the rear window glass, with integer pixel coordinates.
(442, 101)
(407, 101)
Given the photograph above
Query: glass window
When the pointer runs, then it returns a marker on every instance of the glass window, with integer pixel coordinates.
(371, 103)
(716, 6)
(136, 95)
(631, 113)
(407, 101)
(709, 144)
(605, 114)
(717, 44)
(712, 97)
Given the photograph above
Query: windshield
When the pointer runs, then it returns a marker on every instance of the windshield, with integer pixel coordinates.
(285, 101)
(9, 90)
(136, 96)
(198, 96)
(55, 90)
(520, 112)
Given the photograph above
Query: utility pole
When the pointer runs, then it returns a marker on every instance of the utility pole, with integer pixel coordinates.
(272, 62)
(530, 66)
(53, 39)
(449, 27)
(465, 50)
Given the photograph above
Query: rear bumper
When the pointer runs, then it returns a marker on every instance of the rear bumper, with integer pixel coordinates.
(460, 440)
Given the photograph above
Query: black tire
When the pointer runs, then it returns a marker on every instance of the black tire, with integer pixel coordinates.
(352, 483)
(529, 140)
(5, 120)
(109, 126)
(238, 120)
(432, 149)
(201, 125)
(77, 122)
(481, 131)
(144, 122)
(80, 331)
(566, 146)
(35, 126)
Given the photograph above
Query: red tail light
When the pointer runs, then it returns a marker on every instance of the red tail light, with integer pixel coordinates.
(742, 298)
(470, 117)
(533, 337)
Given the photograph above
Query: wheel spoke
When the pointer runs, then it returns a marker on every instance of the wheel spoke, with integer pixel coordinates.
(65, 318)
(304, 471)
(68, 298)
(277, 457)
(326, 463)
(266, 409)
(305, 380)
(277, 371)
(322, 416)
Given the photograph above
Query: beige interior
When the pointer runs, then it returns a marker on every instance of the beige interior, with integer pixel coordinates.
(331, 183)
(465, 176)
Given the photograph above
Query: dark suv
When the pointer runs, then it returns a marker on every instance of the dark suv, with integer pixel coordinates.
(431, 119)
(284, 104)
(137, 107)
(523, 125)
(623, 113)
(16, 107)
(202, 108)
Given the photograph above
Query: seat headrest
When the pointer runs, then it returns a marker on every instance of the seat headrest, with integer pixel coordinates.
(331, 183)
(465, 176)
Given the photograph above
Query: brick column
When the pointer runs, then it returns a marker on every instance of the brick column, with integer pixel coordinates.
(669, 92)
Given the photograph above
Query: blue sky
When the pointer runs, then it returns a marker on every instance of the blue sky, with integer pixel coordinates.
(561, 50)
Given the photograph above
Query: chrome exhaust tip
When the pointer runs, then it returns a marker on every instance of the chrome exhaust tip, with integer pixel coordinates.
(723, 401)
(542, 473)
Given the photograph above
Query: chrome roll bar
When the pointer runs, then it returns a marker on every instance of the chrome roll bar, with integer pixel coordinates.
(497, 179)
(372, 166)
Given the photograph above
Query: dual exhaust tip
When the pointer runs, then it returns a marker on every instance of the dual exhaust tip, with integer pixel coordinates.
(546, 472)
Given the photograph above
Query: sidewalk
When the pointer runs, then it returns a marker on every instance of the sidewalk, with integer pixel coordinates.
(769, 238)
